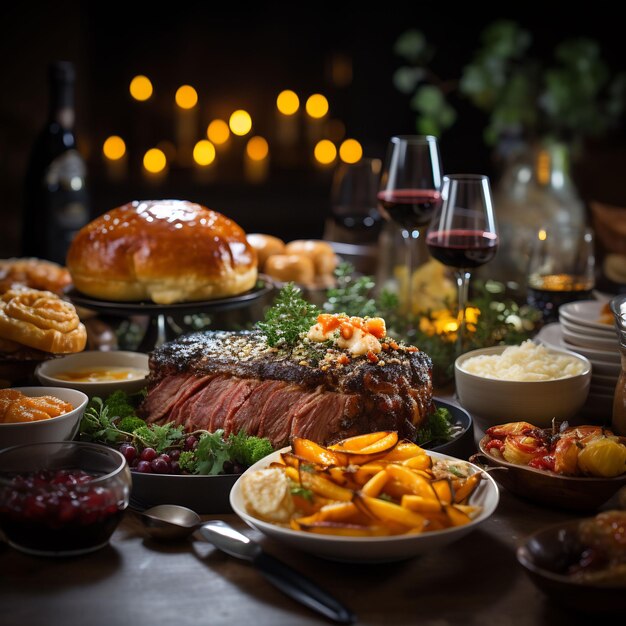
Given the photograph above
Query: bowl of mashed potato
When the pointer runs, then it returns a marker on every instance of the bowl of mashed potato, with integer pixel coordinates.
(528, 382)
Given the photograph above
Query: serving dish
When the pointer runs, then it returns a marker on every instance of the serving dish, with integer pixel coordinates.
(548, 488)
(61, 498)
(586, 313)
(552, 335)
(494, 401)
(48, 372)
(590, 341)
(61, 428)
(542, 555)
(210, 494)
(368, 549)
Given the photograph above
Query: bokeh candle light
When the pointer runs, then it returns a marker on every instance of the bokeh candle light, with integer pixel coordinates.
(256, 159)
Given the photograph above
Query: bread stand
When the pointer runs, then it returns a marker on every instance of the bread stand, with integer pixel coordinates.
(162, 326)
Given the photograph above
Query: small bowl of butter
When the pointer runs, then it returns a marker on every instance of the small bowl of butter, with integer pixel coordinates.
(96, 373)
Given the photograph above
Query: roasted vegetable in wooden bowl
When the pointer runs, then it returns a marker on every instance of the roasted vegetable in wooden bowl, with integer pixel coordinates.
(577, 468)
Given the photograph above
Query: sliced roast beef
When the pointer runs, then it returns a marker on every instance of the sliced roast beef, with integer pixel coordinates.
(234, 381)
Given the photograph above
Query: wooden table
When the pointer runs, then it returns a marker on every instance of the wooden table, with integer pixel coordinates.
(135, 581)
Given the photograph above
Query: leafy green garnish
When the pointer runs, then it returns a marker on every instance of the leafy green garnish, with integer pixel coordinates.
(130, 424)
(211, 453)
(438, 427)
(289, 317)
(303, 492)
(159, 437)
(96, 425)
(247, 450)
(385, 496)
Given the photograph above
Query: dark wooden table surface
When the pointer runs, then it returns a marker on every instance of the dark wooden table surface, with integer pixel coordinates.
(136, 581)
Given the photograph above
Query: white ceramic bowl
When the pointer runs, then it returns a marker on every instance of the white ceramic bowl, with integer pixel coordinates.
(61, 428)
(368, 549)
(492, 401)
(46, 372)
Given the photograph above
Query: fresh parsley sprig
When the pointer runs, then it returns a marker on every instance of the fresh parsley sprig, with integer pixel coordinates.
(288, 318)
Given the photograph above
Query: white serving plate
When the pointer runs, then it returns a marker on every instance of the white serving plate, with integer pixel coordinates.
(552, 335)
(584, 312)
(368, 549)
(589, 341)
(607, 333)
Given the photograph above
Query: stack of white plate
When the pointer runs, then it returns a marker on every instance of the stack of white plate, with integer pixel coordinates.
(583, 328)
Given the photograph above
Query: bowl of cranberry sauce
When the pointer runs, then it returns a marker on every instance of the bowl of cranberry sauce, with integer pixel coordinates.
(62, 499)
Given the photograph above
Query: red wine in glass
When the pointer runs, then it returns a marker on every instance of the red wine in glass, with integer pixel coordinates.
(409, 208)
(463, 233)
(462, 248)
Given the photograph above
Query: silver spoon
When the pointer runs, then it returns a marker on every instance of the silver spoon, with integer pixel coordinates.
(169, 522)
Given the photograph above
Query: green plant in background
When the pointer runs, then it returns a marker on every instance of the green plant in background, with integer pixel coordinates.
(573, 96)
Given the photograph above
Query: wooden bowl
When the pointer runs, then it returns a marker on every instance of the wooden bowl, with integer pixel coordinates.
(574, 493)
(544, 554)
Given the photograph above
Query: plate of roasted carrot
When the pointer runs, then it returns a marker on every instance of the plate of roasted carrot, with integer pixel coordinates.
(369, 498)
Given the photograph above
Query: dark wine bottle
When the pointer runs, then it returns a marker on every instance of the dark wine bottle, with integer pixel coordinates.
(56, 201)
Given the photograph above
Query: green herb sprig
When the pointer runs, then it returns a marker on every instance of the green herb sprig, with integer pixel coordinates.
(289, 317)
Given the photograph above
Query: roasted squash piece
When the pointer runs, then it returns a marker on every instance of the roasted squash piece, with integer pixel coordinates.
(375, 484)
(444, 491)
(388, 511)
(404, 450)
(421, 462)
(467, 488)
(358, 442)
(456, 516)
(419, 504)
(310, 451)
(324, 487)
(412, 480)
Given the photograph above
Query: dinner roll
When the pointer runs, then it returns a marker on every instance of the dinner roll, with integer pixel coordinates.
(265, 246)
(320, 252)
(291, 268)
(162, 250)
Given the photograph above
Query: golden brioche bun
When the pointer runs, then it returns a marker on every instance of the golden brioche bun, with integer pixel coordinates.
(295, 268)
(41, 320)
(162, 250)
(265, 246)
(320, 252)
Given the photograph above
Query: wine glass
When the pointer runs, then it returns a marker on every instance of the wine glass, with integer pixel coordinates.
(463, 233)
(561, 268)
(355, 218)
(408, 196)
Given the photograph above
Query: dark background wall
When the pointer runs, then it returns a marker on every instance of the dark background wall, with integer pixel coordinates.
(241, 57)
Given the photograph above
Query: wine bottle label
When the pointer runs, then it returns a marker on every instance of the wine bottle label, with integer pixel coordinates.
(65, 181)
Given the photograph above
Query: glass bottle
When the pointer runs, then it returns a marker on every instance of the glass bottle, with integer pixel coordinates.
(535, 191)
(55, 194)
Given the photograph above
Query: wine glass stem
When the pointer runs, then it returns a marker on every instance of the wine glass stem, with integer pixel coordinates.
(410, 238)
(462, 283)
